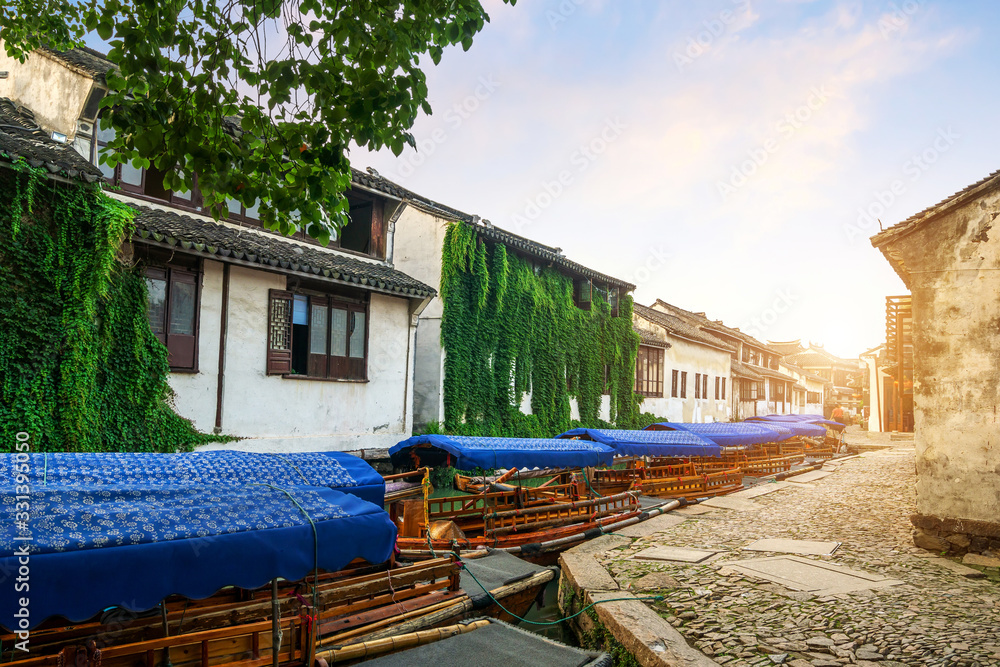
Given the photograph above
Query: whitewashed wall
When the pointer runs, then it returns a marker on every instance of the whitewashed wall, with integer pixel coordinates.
(275, 413)
(684, 355)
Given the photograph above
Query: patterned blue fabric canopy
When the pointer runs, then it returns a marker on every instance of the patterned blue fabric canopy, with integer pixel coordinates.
(808, 428)
(93, 547)
(467, 453)
(335, 470)
(730, 434)
(805, 419)
(649, 443)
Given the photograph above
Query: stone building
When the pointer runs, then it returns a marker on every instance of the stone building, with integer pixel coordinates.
(949, 257)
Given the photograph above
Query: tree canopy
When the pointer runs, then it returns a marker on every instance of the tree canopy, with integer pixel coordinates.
(260, 98)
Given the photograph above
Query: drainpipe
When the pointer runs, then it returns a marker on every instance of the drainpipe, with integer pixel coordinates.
(223, 329)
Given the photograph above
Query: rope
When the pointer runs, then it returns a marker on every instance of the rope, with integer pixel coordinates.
(295, 467)
(315, 592)
(587, 480)
(556, 622)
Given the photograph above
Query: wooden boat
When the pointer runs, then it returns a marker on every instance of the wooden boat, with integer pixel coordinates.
(208, 574)
(457, 646)
(535, 522)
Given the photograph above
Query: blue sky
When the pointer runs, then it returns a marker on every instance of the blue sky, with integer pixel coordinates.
(722, 154)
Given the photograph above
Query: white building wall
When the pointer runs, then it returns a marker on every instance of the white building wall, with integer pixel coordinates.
(51, 89)
(417, 244)
(686, 356)
(195, 394)
(274, 413)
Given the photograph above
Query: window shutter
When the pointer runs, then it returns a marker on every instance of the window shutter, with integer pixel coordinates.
(319, 331)
(279, 332)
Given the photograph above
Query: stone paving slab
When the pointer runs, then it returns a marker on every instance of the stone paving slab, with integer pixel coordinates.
(729, 503)
(601, 544)
(810, 476)
(693, 510)
(957, 568)
(983, 561)
(679, 554)
(802, 574)
(759, 490)
(800, 547)
(649, 526)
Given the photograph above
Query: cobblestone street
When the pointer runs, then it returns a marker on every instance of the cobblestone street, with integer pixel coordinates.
(940, 613)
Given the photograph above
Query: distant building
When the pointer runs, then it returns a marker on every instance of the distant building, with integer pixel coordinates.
(843, 374)
(949, 257)
(758, 387)
(683, 373)
(809, 389)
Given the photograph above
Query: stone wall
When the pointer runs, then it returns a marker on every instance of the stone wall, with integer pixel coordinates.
(953, 262)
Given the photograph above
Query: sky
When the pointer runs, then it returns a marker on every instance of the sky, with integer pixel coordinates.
(731, 157)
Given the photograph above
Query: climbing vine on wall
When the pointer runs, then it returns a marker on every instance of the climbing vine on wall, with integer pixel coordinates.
(80, 368)
(510, 328)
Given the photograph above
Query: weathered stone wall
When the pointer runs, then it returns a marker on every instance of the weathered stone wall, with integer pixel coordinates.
(954, 267)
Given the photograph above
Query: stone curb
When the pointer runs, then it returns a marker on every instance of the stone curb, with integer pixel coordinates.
(650, 639)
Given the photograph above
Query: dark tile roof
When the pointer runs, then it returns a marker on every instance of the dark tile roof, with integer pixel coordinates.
(744, 370)
(224, 243)
(962, 196)
(885, 239)
(679, 328)
(711, 326)
(771, 373)
(85, 59)
(372, 180)
(649, 338)
(791, 347)
(801, 371)
(21, 138)
(817, 357)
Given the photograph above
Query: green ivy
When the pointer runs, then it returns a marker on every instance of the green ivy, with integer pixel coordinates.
(511, 327)
(80, 368)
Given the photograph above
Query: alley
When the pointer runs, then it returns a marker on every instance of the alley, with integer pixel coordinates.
(937, 615)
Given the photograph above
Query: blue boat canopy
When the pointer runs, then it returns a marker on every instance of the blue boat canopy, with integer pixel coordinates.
(335, 470)
(729, 434)
(467, 452)
(93, 547)
(819, 420)
(648, 443)
(800, 427)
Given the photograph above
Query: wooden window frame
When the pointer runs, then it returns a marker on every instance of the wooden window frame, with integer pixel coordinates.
(174, 274)
(723, 388)
(684, 384)
(649, 359)
(325, 367)
(704, 386)
(697, 386)
(673, 382)
(717, 378)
